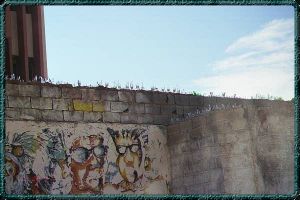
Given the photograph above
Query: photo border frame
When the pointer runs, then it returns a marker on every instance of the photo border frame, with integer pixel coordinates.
(294, 3)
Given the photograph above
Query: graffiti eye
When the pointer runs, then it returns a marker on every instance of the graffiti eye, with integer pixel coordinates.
(134, 148)
(121, 149)
(99, 151)
(80, 155)
(17, 151)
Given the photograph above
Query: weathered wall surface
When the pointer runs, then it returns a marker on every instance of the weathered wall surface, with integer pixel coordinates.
(238, 151)
(243, 150)
(48, 102)
(85, 158)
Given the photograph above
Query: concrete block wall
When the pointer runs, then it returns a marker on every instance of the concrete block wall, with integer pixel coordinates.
(49, 102)
(245, 150)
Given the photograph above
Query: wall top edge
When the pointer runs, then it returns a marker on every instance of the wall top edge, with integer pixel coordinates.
(63, 85)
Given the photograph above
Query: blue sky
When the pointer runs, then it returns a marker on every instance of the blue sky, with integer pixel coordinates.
(242, 50)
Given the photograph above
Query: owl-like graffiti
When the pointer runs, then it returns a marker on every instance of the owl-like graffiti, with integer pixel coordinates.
(87, 160)
(129, 160)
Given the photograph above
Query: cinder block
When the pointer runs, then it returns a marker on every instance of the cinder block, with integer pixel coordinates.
(239, 124)
(174, 128)
(152, 109)
(71, 93)
(171, 98)
(209, 101)
(189, 109)
(177, 137)
(186, 125)
(101, 106)
(19, 102)
(30, 90)
(109, 95)
(179, 110)
(179, 148)
(62, 104)
(6, 102)
(111, 117)
(199, 122)
(144, 97)
(178, 190)
(197, 133)
(188, 180)
(11, 89)
(177, 160)
(30, 114)
(52, 115)
(136, 108)
(200, 153)
(51, 91)
(119, 107)
(215, 187)
(12, 113)
(237, 173)
(202, 177)
(160, 98)
(177, 180)
(41, 103)
(196, 100)
(161, 119)
(209, 141)
(82, 105)
(196, 189)
(92, 117)
(194, 145)
(90, 94)
(181, 99)
(145, 119)
(228, 138)
(73, 116)
(129, 118)
(126, 96)
(168, 109)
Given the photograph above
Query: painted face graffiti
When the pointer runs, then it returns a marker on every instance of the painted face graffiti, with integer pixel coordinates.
(87, 160)
(53, 173)
(128, 146)
(18, 158)
(57, 160)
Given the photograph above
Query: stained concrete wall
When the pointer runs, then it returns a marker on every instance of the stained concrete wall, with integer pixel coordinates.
(85, 158)
(246, 150)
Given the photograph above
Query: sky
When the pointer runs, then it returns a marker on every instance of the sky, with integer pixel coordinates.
(237, 50)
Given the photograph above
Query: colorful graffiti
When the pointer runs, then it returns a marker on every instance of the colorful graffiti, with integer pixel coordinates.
(91, 158)
(19, 154)
(87, 160)
(128, 146)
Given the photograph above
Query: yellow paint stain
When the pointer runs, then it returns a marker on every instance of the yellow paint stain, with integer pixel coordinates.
(98, 107)
(82, 106)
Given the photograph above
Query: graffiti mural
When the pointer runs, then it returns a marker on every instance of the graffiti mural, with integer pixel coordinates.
(85, 158)
(19, 155)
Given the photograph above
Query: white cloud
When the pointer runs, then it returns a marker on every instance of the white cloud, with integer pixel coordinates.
(273, 36)
(258, 63)
(275, 82)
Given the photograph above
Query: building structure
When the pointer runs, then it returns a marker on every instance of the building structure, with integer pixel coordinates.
(25, 42)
